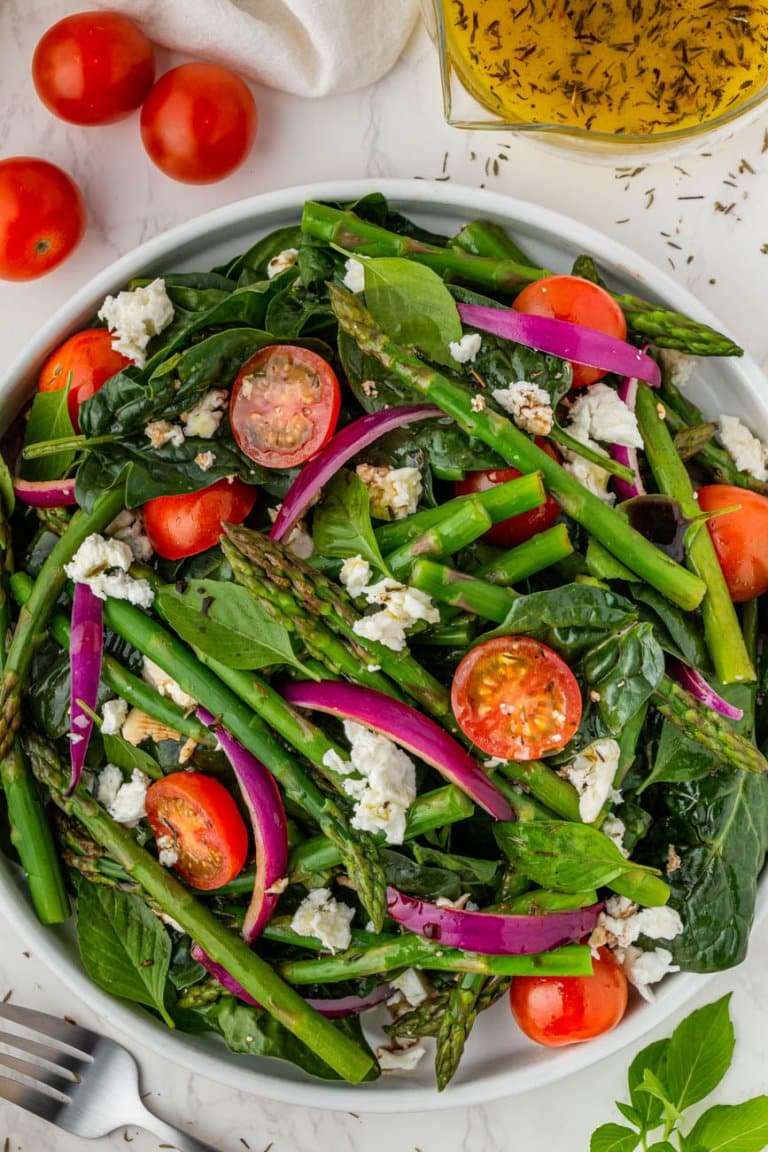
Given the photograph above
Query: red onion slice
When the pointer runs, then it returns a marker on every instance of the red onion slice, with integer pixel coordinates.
(408, 728)
(270, 832)
(85, 657)
(344, 445)
(491, 933)
(45, 493)
(564, 339)
(621, 453)
(693, 681)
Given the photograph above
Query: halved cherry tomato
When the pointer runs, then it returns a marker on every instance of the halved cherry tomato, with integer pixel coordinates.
(83, 362)
(199, 816)
(580, 301)
(42, 217)
(284, 405)
(93, 67)
(740, 537)
(516, 529)
(179, 526)
(516, 698)
(558, 1010)
(198, 123)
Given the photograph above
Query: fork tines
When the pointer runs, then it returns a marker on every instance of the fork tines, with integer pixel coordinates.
(39, 1052)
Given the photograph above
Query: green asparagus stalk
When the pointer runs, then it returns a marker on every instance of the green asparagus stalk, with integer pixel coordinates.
(358, 851)
(707, 727)
(223, 946)
(504, 500)
(715, 459)
(466, 524)
(534, 555)
(689, 442)
(425, 1020)
(656, 325)
(565, 440)
(452, 633)
(456, 1023)
(458, 589)
(499, 433)
(721, 627)
(485, 238)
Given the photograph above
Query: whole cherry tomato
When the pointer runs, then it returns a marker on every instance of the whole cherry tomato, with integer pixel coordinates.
(42, 217)
(82, 363)
(179, 526)
(516, 529)
(579, 301)
(740, 537)
(93, 68)
(558, 1010)
(198, 123)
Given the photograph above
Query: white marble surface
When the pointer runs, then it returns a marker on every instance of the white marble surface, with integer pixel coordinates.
(706, 216)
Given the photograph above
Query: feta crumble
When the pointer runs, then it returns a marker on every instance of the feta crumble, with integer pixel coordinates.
(161, 432)
(477, 403)
(614, 830)
(601, 414)
(592, 774)
(205, 460)
(285, 259)
(299, 540)
(103, 564)
(355, 574)
(645, 968)
(385, 786)
(354, 275)
(123, 800)
(204, 418)
(678, 367)
(594, 478)
(464, 351)
(400, 1059)
(133, 318)
(128, 526)
(153, 674)
(167, 853)
(748, 453)
(401, 608)
(325, 918)
(529, 406)
(113, 716)
(394, 492)
(621, 924)
(412, 987)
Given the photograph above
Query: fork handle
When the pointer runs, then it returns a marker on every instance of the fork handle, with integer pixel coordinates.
(171, 1135)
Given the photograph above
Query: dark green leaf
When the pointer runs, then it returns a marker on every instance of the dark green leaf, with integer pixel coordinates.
(614, 1138)
(570, 618)
(48, 420)
(412, 305)
(677, 758)
(428, 883)
(341, 526)
(624, 670)
(252, 265)
(124, 947)
(128, 757)
(228, 623)
(653, 1058)
(630, 1113)
(559, 854)
(699, 1054)
(475, 870)
(7, 494)
(672, 623)
(732, 1128)
(662, 1146)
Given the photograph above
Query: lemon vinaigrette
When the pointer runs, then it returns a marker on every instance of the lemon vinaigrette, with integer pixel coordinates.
(634, 67)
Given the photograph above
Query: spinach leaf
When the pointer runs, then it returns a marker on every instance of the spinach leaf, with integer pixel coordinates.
(227, 623)
(341, 526)
(124, 947)
(677, 631)
(413, 306)
(424, 881)
(252, 264)
(572, 619)
(126, 756)
(374, 207)
(472, 869)
(561, 855)
(292, 314)
(623, 671)
(48, 420)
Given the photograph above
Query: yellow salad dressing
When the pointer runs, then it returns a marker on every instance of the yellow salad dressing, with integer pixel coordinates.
(637, 67)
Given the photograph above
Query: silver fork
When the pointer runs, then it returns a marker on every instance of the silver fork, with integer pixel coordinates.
(76, 1079)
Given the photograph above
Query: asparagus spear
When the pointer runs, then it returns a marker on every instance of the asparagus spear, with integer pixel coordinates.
(721, 627)
(223, 946)
(516, 448)
(710, 455)
(485, 238)
(456, 531)
(425, 1020)
(534, 555)
(455, 1025)
(649, 321)
(358, 851)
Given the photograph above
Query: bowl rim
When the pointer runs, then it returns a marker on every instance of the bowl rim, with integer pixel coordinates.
(223, 223)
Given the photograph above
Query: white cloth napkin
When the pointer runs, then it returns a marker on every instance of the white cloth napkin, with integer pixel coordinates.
(309, 47)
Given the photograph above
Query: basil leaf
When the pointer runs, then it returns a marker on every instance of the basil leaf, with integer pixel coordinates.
(227, 623)
(699, 1053)
(126, 756)
(412, 305)
(48, 420)
(624, 670)
(614, 1138)
(124, 947)
(341, 526)
(559, 854)
(732, 1127)
(649, 1108)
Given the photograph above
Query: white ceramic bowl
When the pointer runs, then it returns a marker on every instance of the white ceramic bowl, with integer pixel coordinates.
(499, 1061)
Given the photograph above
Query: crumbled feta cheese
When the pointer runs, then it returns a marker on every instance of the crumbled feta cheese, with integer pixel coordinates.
(299, 541)
(592, 774)
(465, 350)
(153, 674)
(205, 460)
(400, 1059)
(160, 432)
(354, 275)
(678, 367)
(645, 968)
(355, 574)
(529, 406)
(103, 564)
(167, 852)
(335, 763)
(401, 608)
(594, 478)
(325, 918)
(622, 923)
(601, 414)
(368, 388)
(134, 317)
(204, 418)
(412, 986)
(462, 902)
(477, 403)
(128, 526)
(385, 786)
(124, 801)
(113, 716)
(748, 453)
(614, 830)
(394, 492)
(285, 259)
